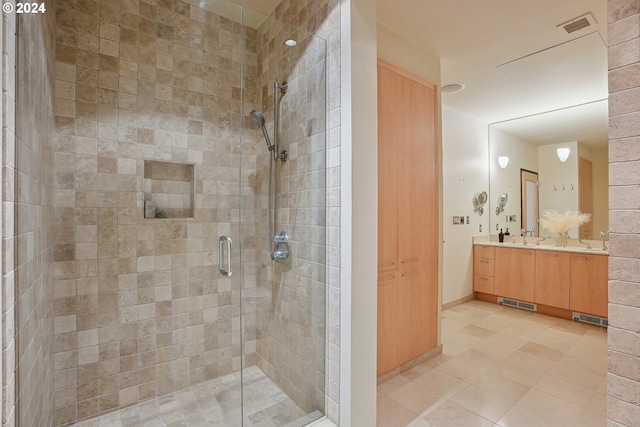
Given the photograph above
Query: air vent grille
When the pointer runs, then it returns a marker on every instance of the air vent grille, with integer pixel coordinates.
(587, 318)
(576, 25)
(517, 304)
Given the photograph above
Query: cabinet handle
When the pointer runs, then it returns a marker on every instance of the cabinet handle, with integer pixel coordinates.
(387, 265)
(484, 279)
(388, 279)
(580, 258)
(484, 261)
(415, 273)
(528, 253)
(552, 255)
(409, 261)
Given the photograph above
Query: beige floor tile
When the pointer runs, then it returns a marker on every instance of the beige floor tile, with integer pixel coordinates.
(480, 359)
(415, 397)
(461, 370)
(501, 345)
(519, 416)
(417, 371)
(550, 407)
(557, 338)
(452, 414)
(482, 402)
(441, 383)
(392, 414)
(563, 388)
(503, 387)
(541, 350)
(393, 384)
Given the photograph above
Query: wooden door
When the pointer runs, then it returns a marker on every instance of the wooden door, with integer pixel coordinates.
(514, 273)
(529, 200)
(585, 196)
(552, 278)
(387, 322)
(589, 284)
(408, 213)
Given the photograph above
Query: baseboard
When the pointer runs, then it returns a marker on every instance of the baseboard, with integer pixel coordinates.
(457, 302)
(410, 364)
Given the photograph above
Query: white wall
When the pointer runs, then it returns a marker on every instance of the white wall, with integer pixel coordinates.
(465, 149)
(558, 188)
(358, 214)
(522, 155)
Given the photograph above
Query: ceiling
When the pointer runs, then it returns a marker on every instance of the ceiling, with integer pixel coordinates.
(513, 57)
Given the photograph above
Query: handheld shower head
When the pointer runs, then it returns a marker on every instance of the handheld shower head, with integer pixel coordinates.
(258, 119)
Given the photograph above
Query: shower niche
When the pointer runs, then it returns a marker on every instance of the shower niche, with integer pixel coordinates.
(168, 189)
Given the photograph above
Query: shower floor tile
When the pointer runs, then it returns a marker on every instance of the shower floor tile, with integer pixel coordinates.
(213, 403)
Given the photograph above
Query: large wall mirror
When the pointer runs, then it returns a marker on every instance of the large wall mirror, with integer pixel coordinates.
(537, 176)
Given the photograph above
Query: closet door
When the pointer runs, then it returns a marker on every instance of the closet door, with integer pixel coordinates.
(408, 215)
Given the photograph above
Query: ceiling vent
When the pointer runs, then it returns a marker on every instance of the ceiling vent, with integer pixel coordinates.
(578, 23)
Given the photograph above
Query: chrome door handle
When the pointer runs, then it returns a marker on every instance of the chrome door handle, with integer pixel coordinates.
(229, 271)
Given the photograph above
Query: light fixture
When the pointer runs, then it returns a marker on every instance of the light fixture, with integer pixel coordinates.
(563, 154)
(452, 87)
(503, 161)
(291, 42)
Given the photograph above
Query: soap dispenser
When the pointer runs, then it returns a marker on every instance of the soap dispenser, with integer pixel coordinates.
(501, 236)
(506, 233)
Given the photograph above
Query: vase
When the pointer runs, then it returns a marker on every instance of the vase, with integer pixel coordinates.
(562, 238)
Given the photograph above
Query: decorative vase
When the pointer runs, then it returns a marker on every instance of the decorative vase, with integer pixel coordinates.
(562, 238)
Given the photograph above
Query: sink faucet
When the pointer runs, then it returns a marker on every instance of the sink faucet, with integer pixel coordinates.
(604, 234)
(584, 243)
(540, 240)
(524, 232)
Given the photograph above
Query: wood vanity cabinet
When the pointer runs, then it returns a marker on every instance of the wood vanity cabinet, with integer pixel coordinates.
(589, 279)
(514, 273)
(407, 217)
(552, 278)
(483, 269)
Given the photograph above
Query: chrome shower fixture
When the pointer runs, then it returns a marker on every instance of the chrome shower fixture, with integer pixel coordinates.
(258, 119)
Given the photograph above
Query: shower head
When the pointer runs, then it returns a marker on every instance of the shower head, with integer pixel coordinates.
(258, 119)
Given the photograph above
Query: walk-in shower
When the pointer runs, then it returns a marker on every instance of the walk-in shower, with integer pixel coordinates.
(145, 316)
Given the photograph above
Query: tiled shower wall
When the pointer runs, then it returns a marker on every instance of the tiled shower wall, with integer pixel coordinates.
(291, 326)
(140, 307)
(623, 405)
(27, 169)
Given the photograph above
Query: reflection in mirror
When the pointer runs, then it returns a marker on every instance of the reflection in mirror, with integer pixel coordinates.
(531, 143)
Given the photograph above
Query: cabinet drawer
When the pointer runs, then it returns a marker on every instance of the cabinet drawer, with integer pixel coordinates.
(483, 266)
(480, 251)
(484, 284)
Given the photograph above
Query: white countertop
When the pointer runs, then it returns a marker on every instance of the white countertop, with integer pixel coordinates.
(548, 245)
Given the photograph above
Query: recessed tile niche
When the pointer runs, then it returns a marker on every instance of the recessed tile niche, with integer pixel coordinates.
(169, 186)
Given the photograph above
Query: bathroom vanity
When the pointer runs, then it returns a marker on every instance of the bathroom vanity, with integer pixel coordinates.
(559, 281)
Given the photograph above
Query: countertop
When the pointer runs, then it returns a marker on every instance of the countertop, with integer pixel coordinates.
(548, 245)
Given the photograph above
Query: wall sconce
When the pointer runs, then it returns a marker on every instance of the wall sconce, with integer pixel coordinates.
(503, 161)
(563, 154)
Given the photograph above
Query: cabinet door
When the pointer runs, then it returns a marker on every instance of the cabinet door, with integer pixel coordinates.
(589, 284)
(484, 284)
(552, 279)
(391, 134)
(514, 273)
(413, 324)
(387, 321)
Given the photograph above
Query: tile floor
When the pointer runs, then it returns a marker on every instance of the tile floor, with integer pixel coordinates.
(503, 367)
(213, 403)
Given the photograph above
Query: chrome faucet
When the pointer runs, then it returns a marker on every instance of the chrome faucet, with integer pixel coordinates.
(604, 234)
(584, 243)
(540, 240)
(524, 232)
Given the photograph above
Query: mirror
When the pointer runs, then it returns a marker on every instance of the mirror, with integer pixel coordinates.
(536, 179)
(479, 200)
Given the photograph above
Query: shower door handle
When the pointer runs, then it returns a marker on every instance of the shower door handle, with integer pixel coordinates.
(229, 270)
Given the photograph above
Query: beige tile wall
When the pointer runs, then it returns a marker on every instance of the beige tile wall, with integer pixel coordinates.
(27, 197)
(623, 381)
(140, 307)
